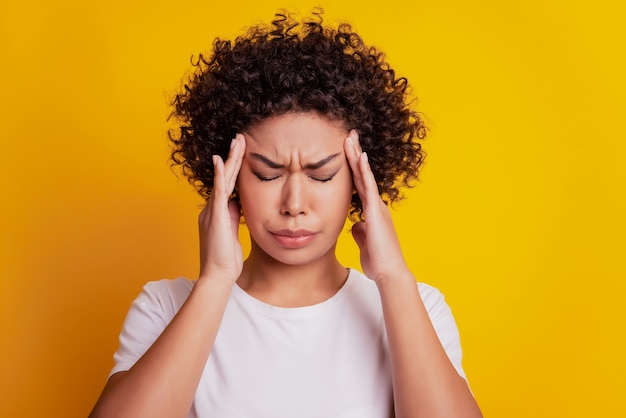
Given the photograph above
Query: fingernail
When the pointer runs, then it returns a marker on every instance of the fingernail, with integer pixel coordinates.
(233, 142)
(365, 156)
(214, 158)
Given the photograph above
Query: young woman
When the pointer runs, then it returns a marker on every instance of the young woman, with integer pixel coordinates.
(292, 127)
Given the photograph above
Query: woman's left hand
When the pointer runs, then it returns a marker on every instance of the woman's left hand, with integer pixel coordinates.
(381, 255)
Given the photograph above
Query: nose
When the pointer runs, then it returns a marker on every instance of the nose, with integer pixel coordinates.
(294, 196)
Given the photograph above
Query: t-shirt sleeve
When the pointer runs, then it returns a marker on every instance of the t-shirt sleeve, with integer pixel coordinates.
(149, 314)
(441, 317)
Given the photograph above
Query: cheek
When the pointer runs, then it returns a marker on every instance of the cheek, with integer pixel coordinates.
(247, 197)
(246, 185)
(347, 187)
(258, 200)
(342, 197)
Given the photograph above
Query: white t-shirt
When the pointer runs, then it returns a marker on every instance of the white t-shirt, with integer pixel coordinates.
(326, 360)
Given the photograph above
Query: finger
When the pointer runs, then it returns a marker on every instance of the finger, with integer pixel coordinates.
(241, 150)
(353, 151)
(352, 147)
(355, 142)
(233, 163)
(369, 186)
(219, 196)
(362, 174)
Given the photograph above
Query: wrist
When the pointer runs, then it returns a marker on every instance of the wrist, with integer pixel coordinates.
(397, 279)
(213, 284)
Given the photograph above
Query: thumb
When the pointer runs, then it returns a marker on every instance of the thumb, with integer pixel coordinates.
(358, 233)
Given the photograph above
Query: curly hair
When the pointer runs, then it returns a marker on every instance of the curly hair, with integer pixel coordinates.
(291, 66)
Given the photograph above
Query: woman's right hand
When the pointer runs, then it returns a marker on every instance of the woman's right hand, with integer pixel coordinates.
(221, 256)
(163, 382)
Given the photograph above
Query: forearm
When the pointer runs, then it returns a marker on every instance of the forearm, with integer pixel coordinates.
(425, 383)
(163, 381)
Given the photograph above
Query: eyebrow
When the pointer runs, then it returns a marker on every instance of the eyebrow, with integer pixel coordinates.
(310, 166)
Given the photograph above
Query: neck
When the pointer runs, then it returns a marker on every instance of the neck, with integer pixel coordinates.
(287, 285)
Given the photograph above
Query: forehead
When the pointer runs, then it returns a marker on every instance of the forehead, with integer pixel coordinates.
(306, 134)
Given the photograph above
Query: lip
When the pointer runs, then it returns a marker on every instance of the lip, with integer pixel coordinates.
(290, 238)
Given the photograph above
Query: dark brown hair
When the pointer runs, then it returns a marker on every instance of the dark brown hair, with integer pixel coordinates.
(291, 66)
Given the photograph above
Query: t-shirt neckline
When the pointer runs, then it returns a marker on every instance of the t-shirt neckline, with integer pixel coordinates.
(243, 297)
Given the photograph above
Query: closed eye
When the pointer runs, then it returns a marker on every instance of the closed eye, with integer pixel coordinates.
(270, 178)
(322, 179)
(265, 178)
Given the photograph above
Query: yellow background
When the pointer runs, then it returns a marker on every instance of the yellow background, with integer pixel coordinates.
(518, 219)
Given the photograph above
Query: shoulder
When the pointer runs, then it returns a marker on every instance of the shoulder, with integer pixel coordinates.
(431, 296)
(165, 296)
(439, 313)
(173, 288)
(149, 314)
(433, 299)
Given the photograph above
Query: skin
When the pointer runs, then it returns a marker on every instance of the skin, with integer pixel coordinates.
(295, 164)
(281, 162)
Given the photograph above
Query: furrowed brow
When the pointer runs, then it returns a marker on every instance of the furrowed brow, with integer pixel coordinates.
(311, 166)
(321, 163)
(265, 160)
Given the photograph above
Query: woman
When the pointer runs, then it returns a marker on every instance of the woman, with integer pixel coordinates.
(292, 128)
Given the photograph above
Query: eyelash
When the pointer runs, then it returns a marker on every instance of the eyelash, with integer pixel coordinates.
(265, 178)
(321, 180)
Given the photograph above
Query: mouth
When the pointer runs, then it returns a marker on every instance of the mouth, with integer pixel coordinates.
(293, 239)
(293, 232)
